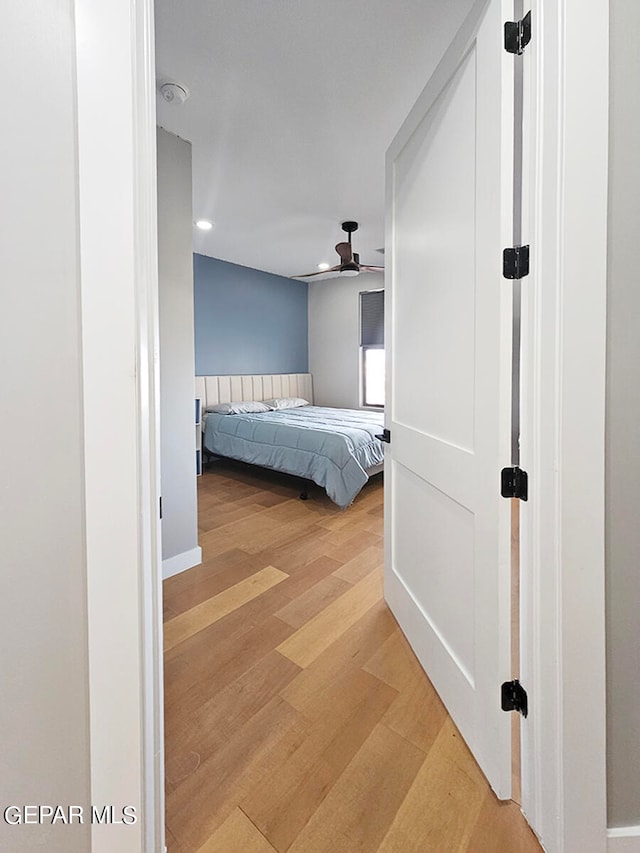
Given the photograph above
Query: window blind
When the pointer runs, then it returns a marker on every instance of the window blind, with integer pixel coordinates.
(372, 318)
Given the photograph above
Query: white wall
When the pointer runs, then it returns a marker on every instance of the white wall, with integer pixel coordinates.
(334, 338)
(44, 715)
(177, 361)
(623, 422)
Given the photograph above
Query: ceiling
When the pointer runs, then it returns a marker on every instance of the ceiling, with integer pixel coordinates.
(293, 104)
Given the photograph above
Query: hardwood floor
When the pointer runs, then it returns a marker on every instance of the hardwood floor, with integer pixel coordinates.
(297, 718)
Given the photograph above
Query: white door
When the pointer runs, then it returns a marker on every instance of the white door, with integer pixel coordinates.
(448, 316)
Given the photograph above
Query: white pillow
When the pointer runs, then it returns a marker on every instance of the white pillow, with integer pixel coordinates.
(243, 407)
(287, 402)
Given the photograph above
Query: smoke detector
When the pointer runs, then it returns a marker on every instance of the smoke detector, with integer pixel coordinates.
(173, 93)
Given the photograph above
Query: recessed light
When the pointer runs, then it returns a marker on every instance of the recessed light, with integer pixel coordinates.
(324, 266)
(204, 225)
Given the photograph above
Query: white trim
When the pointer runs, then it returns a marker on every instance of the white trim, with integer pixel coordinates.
(116, 165)
(623, 839)
(148, 375)
(564, 334)
(181, 562)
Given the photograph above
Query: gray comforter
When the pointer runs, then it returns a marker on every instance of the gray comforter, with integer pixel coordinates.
(332, 447)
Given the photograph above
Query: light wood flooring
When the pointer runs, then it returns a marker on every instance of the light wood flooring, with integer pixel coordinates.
(297, 717)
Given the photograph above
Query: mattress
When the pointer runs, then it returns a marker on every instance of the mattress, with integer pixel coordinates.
(332, 447)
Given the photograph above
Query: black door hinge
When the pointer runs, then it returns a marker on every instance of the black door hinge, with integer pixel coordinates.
(160, 507)
(385, 436)
(514, 483)
(514, 697)
(517, 34)
(515, 262)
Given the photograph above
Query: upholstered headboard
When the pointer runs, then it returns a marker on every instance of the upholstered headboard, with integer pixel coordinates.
(224, 389)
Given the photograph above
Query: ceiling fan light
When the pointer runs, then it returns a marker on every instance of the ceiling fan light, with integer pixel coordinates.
(349, 270)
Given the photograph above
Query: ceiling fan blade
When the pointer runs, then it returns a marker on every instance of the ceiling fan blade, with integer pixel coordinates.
(345, 251)
(349, 260)
(320, 272)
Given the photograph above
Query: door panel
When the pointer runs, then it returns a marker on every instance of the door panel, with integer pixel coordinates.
(448, 312)
(429, 522)
(434, 223)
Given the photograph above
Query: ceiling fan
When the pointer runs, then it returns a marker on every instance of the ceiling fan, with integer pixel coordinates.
(349, 260)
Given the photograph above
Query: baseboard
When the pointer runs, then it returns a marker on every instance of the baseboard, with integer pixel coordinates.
(181, 562)
(623, 839)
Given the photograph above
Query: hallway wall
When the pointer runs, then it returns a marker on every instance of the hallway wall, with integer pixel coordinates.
(623, 419)
(44, 711)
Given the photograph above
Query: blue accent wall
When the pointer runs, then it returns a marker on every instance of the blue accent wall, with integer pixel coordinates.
(248, 321)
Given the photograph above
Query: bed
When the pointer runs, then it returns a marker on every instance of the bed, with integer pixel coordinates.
(336, 448)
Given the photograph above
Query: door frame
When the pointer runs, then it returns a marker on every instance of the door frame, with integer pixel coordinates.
(562, 441)
(117, 246)
(562, 422)
(565, 331)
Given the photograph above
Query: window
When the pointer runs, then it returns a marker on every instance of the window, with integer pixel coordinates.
(372, 347)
